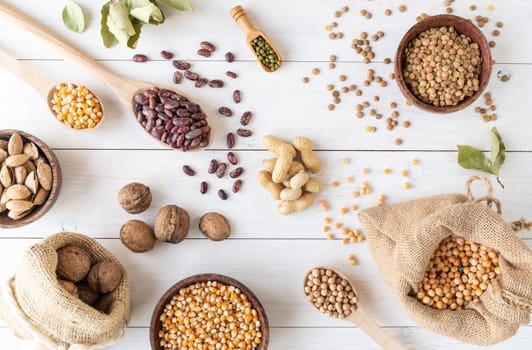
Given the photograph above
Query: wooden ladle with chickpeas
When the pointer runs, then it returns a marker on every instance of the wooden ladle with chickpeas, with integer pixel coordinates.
(141, 98)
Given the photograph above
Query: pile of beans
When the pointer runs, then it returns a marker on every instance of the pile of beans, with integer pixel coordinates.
(330, 293)
(76, 106)
(458, 273)
(209, 315)
(265, 53)
(442, 67)
(172, 118)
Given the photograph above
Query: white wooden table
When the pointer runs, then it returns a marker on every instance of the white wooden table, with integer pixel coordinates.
(267, 252)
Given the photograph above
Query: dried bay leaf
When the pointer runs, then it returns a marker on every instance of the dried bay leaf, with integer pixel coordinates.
(472, 158)
(181, 5)
(108, 38)
(73, 17)
(119, 23)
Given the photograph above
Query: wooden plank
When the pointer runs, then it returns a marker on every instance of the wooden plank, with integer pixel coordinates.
(92, 179)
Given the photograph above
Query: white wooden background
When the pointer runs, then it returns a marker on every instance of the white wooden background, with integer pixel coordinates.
(267, 252)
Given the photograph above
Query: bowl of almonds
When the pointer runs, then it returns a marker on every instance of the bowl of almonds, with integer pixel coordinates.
(209, 311)
(443, 63)
(30, 178)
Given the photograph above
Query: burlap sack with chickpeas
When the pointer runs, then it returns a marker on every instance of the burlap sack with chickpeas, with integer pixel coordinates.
(403, 237)
(46, 316)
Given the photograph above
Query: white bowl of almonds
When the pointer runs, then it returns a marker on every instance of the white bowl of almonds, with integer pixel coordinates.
(30, 178)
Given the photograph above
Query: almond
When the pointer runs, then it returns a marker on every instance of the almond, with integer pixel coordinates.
(6, 176)
(4, 198)
(18, 205)
(40, 196)
(31, 150)
(16, 215)
(31, 182)
(44, 174)
(15, 144)
(18, 192)
(20, 174)
(30, 166)
(3, 145)
(3, 155)
(16, 160)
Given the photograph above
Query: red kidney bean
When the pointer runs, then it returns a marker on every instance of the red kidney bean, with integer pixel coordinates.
(177, 77)
(236, 96)
(231, 75)
(231, 157)
(229, 57)
(236, 185)
(230, 140)
(191, 75)
(216, 83)
(181, 65)
(220, 171)
(222, 195)
(201, 82)
(167, 55)
(204, 53)
(236, 172)
(204, 187)
(244, 132)
(188, 170)
(140, 58)
(213, 165)
(245, 118)
(205, 45)
(225, 111)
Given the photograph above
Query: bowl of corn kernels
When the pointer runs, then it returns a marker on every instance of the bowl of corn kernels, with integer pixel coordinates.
(209, 311)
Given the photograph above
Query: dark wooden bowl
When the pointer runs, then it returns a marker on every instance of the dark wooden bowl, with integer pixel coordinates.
(155, 325)
(462, 26)
(37, 212)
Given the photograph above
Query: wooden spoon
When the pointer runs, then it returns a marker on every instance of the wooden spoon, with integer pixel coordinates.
(360, 318)
(44, 85)
(125, 89)
(241, 18)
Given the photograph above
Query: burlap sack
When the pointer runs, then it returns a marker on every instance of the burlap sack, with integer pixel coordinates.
(38, 310)
(403, 237)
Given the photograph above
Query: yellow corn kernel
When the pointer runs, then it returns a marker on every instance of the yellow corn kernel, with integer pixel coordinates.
(407, 186)
(404, 173)
(335, 184)
(327, 220)
(355, 194)
(344, 211)
(387, 171)
(337, 225)
(326, 228)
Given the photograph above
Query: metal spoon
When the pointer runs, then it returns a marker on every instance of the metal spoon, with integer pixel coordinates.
(359, 317)
(44, 85)
(125, 89)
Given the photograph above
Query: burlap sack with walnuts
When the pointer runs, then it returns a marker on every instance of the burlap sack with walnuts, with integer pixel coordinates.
(403, 237)
(46, 316)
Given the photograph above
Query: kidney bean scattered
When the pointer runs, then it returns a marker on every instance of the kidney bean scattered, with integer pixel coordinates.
(213, 165)
(205, 45)
(220, 171)
(191, 75)
(244, 132)
(181, 65)
(216, 83)
(222, 195)
(245, 118)
(231, 157)
(201, 82)
(204, 53)
(236, 172)
(237, 96)
(230, 140)
(231, 74)
(167, 55)
(204, 187)
(177, 77)
(229, 57)
(139, 58)
(225, 111)
(236, 185)
(188, 170)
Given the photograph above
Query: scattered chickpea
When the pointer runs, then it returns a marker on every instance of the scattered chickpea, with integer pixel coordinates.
(391, 76)
(352, 260)
(332, 58)
(354, 207)
(472, 7)
(406, 124)
(329, 236)
(449, 10)
(495, 32)
(407, 186)
(349, 180)
(376, 98)
(330, 87)
(334, 24)
(306, 80)
(365, 171)
(332, 65)
(345, 9)
(315, 71)
(388, 12)
(346, 161)
(499, 24)
(368, 15)
(402, 8)
(337, 14)
(398, 142)
(330, 107)
(363, 12)
(339, 35)
(387, 60)
(393, 105)
(332, 36)
(342, 77)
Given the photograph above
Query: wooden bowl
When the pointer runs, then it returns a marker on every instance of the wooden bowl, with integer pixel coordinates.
(155, 325)
(462, 26)
(37, 212)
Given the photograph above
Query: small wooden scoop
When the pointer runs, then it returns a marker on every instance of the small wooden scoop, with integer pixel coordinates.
(241, 18)
(360, 318)
(125, 89)
(44, 85)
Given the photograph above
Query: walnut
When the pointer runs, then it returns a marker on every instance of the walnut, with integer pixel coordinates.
(86, 295)
(171, 224)
(135, 197)
(69, 287)
(137, 236)
(215, 226)
(104, 277)
(73, 263)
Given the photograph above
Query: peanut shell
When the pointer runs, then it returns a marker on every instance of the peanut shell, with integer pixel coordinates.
(16, 160)
(19, 205)
(31, 150)
(31, 182)
(44, 174)
(20, 174)
(15, 144)
(18, 192)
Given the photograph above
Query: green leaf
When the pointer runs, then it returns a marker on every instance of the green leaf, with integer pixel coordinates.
(145, 11)
(119, 22)
(181, 5)
(473, 158)
(108, 38)
(132, 42)
(498, 151)
(73, 17)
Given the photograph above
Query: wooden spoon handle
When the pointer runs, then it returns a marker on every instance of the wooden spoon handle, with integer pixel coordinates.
(40, 83)
(364, 322)
(45, 34)
(241, 18)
